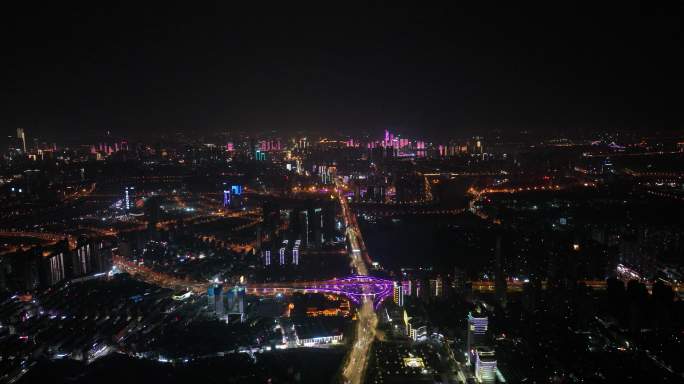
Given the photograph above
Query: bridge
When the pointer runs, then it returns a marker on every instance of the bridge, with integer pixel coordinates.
(356, 288)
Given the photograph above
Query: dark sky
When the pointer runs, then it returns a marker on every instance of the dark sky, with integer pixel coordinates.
(139, 68)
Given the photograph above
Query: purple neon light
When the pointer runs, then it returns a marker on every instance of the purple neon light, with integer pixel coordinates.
(353, 287)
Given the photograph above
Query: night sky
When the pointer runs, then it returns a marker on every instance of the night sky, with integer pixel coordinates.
(437, 72)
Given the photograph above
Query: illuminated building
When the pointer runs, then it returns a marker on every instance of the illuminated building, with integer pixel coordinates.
(477, 332)
(235, 299)
(311, 341)
(215, 299)
(398, 294)
(226, 197)
(128, 198)
(295, 252)
(304, 226)
(21, 136)
(485, 364)
(56, 268)
(267, 257)
(210, 297)
(260, 155)
(436, 287)
(407, 287)
(81, 263)
(218, 294)
(317, 227)
(235, 196)
(281, 252)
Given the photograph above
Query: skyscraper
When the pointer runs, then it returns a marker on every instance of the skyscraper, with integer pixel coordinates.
(128, 198)
(267, 257)
(295, 252)
(477, 331)
(485, 364)
(398, 294)
(281, 252)
(21, 136)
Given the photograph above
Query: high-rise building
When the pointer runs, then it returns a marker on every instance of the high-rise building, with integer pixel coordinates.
(304, 226)
(398, 294)
(407, 287)
(82, 259)
(477, 333)
(235, 299)
(211, 299)
(53, 270)
(295, 252)
(128, 198)
(267, 257)
(226, 197)
(436, 287)
(485, 364)
(281, 252)
(218, 294)
(21, 136)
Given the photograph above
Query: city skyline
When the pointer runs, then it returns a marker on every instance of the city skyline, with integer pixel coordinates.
(342, 193)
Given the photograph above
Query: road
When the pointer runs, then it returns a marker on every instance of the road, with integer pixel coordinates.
(354, 368)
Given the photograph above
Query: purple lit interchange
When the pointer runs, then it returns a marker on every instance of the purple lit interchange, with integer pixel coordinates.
(353, 287)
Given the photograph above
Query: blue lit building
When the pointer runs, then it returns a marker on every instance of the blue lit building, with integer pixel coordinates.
(477, 333)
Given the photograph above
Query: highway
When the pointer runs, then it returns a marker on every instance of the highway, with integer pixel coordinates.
(354, 368)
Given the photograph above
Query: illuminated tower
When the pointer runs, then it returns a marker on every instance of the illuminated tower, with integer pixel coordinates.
(21, 135)
(398, 294)
(226, 197)
(128, 198)
(211, 300)
(304, 226)
(218, 294)
(477, 332)
(281, 252)
(267, 257)
(295, 252)
(485, 364)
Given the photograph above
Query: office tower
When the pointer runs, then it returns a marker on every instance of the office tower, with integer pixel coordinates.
(477, 333)
(21, 136)
(485, 364)
(398, 294)
(267, 257)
